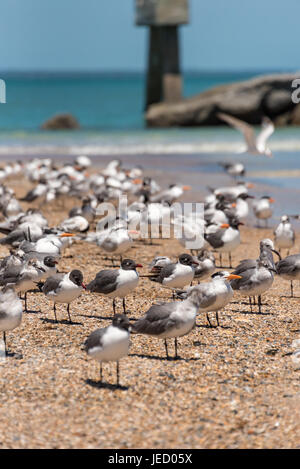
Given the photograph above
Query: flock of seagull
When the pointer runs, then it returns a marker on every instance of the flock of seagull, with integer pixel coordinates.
(196, 283)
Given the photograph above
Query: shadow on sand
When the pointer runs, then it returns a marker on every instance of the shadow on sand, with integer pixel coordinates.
(104, 385)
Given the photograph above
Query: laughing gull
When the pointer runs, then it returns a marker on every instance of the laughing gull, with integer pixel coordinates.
(284, 234)
(177, 275)
(117, 283)
(46, 263)
(170, 320)
(255, 145)
(257, 276)
(262, 208)
(225, 240)
(289, 269)
(10, 310)
(64, 288)
(110, 343)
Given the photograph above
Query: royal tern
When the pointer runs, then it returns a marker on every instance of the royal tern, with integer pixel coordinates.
(255, 145)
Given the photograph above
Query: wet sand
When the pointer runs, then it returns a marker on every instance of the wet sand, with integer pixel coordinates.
(233, 387)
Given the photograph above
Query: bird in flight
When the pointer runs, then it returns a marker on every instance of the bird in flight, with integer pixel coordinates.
(256, 145)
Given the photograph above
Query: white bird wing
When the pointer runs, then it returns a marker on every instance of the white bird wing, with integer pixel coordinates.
(246, 129)
(267, 130)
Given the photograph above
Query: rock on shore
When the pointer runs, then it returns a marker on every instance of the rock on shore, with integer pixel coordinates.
(61, 122)
(268, 95)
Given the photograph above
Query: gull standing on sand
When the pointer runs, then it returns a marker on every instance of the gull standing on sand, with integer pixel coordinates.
(170, 320)
(257, 276)
(255, 145)
(116, 241)
(64, 288)
(117, 283)
(10, 311)
(177, 275)
(289, 269)
(262, 208)
(110, 343)
(284, 235)
(23, 276)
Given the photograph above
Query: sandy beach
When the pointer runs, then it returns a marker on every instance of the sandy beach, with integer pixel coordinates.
(233, 387)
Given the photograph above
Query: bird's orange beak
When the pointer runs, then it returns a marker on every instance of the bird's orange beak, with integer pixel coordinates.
(137, 181)
(271, 201)
(250, 185)
(233, 276)
(186, 188)
(224, 225)
(233, 205)
(66, 235)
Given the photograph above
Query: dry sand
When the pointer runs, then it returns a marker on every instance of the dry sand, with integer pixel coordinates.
(233, 387)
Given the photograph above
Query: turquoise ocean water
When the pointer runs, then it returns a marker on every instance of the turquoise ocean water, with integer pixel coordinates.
(109, 108)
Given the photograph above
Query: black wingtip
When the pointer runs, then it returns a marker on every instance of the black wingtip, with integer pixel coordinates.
(40, 285)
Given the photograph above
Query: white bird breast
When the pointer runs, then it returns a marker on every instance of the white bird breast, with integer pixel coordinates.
(115, 345)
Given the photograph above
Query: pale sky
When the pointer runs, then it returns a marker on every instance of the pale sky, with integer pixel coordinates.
(100, 35)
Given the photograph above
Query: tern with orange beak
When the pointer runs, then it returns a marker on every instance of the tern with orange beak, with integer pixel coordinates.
(51, 244)
(116, 283)
(226, 239)
(215, 295)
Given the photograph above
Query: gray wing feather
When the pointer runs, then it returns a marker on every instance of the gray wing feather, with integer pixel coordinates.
(290, 265)
(166, 272)
(95, 339)
(105, 282)
(215, 239)
(52, 283)
(156, 320)
(207, 297)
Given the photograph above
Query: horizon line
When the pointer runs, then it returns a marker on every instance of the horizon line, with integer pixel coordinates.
(78, 72)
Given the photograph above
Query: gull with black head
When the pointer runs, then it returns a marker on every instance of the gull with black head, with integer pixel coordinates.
(116, 283)
(110, 343)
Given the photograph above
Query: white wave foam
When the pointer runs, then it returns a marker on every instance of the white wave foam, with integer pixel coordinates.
(148, 148)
